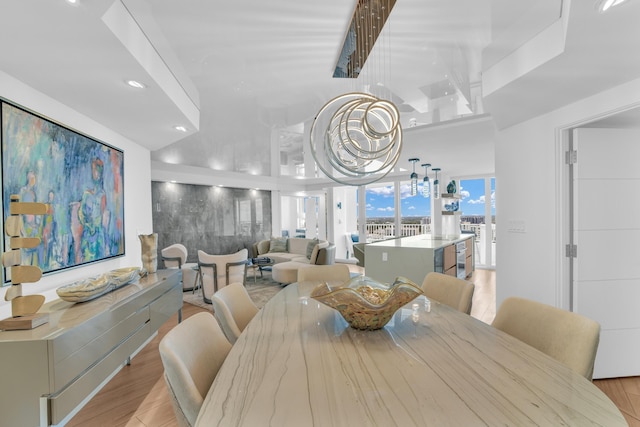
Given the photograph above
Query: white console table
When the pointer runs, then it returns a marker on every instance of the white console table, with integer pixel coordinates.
(48, 372)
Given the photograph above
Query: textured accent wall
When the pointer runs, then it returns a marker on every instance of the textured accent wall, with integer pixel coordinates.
(217, 220)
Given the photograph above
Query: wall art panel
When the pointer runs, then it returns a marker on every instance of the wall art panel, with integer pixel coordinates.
(81, 179)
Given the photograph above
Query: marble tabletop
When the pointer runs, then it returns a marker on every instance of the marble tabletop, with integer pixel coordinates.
(299, 364)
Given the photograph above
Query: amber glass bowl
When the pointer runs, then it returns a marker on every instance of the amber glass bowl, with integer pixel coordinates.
(365, 303)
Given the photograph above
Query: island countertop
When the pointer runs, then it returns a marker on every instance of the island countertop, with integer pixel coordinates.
(415, 256)
(421, 241)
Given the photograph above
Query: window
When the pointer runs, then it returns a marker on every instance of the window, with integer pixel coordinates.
(415, 211)
(380, 211)
(475, 207)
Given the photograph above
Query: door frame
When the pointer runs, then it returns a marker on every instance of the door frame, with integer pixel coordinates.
(564, 198)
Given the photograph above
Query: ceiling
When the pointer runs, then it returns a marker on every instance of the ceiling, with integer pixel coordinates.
(243, 77)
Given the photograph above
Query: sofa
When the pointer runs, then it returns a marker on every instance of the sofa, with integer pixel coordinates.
(292, 253)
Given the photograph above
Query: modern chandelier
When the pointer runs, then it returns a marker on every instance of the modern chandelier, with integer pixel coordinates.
(356, 138)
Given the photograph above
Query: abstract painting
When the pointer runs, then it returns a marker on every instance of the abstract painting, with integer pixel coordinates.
(80, 178)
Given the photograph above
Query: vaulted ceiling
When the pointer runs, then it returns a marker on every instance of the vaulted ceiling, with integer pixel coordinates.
(243, 77)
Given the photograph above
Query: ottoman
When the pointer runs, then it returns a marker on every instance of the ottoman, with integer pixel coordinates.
(286, 272)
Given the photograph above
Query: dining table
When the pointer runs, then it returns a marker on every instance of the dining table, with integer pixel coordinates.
(298, 363)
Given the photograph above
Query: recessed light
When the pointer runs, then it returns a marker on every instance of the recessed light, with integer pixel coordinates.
(72, 2)
(135, 84)
(180, 128)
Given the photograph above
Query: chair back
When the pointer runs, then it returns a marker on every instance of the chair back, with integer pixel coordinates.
(218, 271)
(568, 337)
(234, 309)
(358, 252)
(324, 273)
(174, 256)
(192, 353)
(449, 290)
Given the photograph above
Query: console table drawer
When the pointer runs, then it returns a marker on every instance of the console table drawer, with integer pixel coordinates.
(62, 404)
(164, 307)
(83, 356)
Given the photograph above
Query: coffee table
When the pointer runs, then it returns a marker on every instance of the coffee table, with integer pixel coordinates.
(257, 264)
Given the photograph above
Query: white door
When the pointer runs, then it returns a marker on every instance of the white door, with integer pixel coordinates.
(606, 230)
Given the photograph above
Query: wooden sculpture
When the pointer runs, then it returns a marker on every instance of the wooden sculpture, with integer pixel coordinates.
(24, 309)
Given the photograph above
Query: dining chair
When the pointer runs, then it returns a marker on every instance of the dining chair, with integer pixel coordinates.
(324, 273)
(192, 353)
(218, 271)
(449, 290)
(234, 309)
(568, 337)
(175, 256)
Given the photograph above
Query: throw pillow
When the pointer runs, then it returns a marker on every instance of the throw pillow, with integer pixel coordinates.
(310, 246)
(278, 244)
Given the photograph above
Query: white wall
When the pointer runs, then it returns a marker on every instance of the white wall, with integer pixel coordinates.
(529, 188)
(342, 217)
(137, 181)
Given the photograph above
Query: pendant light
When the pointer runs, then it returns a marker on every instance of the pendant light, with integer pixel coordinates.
(436, 184)
(356, 137)
(425, 180)
(414, 177)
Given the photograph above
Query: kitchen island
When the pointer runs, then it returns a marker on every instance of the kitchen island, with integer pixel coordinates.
(415, 256)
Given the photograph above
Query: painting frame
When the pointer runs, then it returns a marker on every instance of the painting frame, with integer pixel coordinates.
(80, 178)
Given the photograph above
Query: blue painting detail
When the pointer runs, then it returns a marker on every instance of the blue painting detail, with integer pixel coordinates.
(80, 178)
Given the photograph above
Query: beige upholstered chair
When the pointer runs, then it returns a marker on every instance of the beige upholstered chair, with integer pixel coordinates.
(192, 353)
(234, 309)
(324, 273)
(175, 256)
(449, 290)
(218, 271)
(568, 337)
(358, 252)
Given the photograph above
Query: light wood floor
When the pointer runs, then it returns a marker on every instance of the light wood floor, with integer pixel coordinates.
(137, 395)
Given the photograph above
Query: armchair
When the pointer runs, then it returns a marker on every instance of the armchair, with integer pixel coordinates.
(175, 256)
(218, 271)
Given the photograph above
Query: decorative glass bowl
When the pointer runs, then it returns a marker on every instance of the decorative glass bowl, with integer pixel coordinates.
(93, 287)
(366, 304)
(122, 276)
